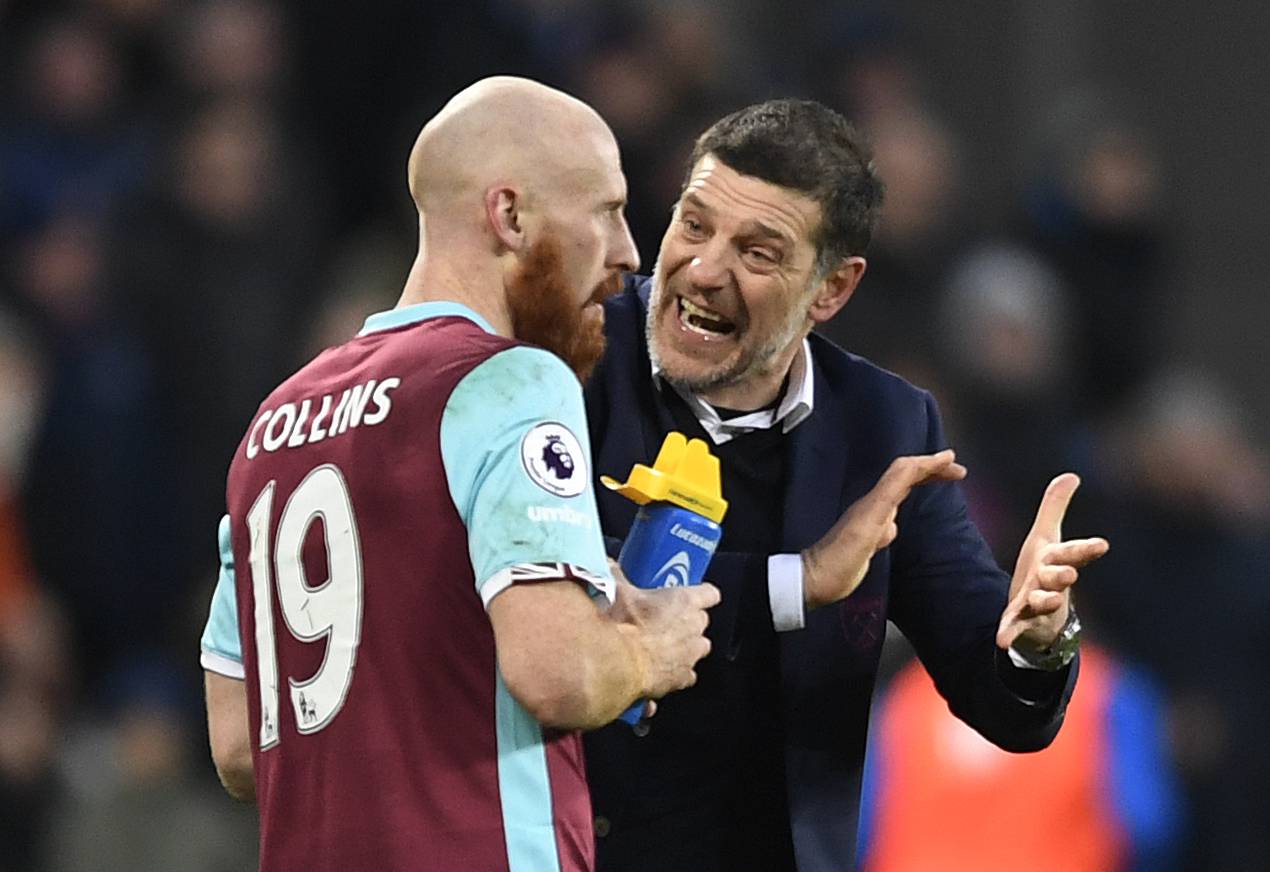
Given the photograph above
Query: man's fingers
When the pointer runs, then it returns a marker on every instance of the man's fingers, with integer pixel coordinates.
(905, 473)
(704, 595)
(695, 596)
(1057, 578)
(1076, 552)
(1042, 602)
(1058, 496)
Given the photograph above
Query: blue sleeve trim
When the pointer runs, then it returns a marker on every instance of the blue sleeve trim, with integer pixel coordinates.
(220, 635)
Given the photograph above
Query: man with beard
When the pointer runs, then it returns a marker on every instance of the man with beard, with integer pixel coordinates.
(399, 549)
(758, 766)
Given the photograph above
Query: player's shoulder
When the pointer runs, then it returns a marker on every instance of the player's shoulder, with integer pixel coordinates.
(438, 347)
(437, 344)
(519, 375)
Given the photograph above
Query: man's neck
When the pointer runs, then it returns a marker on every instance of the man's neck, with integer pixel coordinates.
(434, 279)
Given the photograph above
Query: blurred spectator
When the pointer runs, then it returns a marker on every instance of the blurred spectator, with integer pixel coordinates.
(1185, 593)
(892, 317)
(139, 31)
(232, 49)
(136, 806)
(664, 73)
(22, 397)
(1003, 326)
(219, 269)
(89, 482)
(34, 677)
(1101, 798)
(34, 662)
(69, 141)
(1094, 211)
(366, 277)
(555, 32)
(873, 68)
(638, 98)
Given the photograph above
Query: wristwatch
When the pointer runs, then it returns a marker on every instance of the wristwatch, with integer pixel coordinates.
(1061, 652)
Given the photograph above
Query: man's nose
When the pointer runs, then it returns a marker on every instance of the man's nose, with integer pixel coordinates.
(708, 269)
(625, 254)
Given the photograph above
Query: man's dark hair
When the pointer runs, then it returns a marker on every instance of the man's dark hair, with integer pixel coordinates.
(807, 147)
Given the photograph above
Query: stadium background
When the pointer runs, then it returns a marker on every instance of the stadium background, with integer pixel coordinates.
(196, 196)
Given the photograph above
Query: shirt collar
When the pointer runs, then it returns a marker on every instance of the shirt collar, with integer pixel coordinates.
(412, 314)
(794, 407)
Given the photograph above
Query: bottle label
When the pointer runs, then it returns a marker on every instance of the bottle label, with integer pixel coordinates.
(675, 572)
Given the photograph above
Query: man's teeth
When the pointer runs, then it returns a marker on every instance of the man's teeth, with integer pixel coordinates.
(702, 321)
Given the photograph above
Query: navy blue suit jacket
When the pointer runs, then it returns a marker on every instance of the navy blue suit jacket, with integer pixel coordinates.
(937, 581)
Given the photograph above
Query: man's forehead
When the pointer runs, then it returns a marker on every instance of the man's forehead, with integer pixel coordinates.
(746, 200)
(595, 168)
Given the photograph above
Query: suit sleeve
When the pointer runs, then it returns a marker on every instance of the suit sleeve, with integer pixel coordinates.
(947, 595)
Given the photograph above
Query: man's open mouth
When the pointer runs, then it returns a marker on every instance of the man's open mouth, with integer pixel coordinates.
(703, 321)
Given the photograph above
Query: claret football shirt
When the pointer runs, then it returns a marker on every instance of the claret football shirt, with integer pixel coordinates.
(381, 497)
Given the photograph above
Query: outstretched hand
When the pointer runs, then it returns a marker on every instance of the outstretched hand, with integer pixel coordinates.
(835, 566)
(1040, 592)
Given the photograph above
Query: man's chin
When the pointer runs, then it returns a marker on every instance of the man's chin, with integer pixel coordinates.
(587, 347)
(690, 373)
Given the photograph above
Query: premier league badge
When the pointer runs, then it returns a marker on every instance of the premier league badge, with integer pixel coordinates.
(553, 458)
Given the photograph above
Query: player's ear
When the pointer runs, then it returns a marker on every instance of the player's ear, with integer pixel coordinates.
(503, 214)
(837, 288)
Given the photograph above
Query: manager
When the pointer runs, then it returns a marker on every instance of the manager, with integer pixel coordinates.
(845, 512)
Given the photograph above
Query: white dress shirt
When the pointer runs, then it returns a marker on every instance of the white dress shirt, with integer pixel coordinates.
(784, 571)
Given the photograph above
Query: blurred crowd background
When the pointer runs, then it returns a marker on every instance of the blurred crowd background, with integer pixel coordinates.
(196, 196)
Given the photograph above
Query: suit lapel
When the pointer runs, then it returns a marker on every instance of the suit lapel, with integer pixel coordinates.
(815, 469)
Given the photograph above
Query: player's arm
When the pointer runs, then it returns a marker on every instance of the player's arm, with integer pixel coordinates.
(227, 727)
(573, 667)
(513, 442)
(229, 735)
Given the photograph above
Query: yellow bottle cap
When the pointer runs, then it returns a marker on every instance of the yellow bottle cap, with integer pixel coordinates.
(685, 474)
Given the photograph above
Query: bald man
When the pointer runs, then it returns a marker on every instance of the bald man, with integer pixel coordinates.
(409, 628)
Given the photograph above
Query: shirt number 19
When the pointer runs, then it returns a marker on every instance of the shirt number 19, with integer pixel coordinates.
(330, 611)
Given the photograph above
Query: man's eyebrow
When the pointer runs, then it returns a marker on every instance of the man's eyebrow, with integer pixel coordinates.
(693, 200)
(751, 228)
(758, 228)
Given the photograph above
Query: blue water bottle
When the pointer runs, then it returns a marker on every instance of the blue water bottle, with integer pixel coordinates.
(677, 527)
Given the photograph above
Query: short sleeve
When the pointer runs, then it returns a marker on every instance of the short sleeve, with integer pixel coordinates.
(222, 647)
(518, 463)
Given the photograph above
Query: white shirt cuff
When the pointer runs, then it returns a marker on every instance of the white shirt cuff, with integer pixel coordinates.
(1020, 661)
(222, 665)
(785, 591)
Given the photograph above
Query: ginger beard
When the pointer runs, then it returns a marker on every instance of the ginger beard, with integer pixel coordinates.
(544, 310)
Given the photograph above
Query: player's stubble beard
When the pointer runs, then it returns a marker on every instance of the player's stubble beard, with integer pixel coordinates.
(544, 311)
